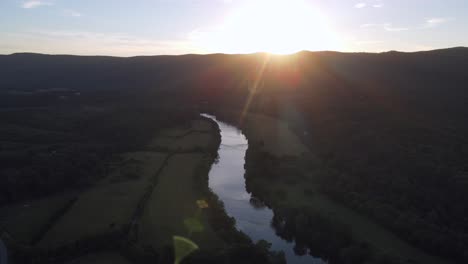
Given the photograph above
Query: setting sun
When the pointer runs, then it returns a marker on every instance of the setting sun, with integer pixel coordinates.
(272, 26)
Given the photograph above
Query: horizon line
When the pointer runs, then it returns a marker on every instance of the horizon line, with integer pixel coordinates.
(232, 54)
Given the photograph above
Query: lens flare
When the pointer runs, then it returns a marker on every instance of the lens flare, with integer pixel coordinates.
(273, 26)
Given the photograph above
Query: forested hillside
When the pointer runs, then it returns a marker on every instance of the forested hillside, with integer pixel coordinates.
(390, 129)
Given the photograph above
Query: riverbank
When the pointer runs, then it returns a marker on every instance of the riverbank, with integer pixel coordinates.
(286, 181)
(132, 215)
(252, 217)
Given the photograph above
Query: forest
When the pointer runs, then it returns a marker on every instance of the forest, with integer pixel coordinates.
(387, 132)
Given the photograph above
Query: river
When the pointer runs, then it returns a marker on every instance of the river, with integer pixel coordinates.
(226, 180)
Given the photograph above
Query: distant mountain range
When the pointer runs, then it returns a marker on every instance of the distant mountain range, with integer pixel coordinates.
(391, 126)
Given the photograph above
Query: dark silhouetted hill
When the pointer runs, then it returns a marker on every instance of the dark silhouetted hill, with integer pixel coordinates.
(393, 126)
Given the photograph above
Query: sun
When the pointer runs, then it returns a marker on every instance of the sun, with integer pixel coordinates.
(274, 26)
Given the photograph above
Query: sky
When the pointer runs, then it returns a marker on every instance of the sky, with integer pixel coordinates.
(153, 27)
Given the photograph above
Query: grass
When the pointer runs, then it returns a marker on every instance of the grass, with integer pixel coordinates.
(197, 125)
(195, 137)
(202, 125)
(16, 219)
(108, 206)
(101, 258)
(174, 132)
(114, 203)
(173, 204)
(191, 141)
(194, 140)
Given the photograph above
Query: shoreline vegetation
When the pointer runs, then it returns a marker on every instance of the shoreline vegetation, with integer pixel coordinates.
(286, 182)
(386, 135)
(123, 239)
(307, 216)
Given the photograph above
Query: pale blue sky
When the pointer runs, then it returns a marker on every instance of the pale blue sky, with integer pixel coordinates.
(144, 27)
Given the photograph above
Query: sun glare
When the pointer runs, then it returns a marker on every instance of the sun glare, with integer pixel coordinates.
(273, 26)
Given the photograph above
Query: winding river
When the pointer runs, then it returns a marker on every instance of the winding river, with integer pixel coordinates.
(226, 180)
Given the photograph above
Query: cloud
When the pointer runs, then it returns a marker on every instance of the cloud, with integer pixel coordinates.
(35, 3)
(436, 21)
(370, 25)
(428, 23)
(360, 5)
(385, 26)
(390, 27)
(72, 13)
(370, 3)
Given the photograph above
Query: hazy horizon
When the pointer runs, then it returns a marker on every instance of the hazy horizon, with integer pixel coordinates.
(225, 53)
(176, 27)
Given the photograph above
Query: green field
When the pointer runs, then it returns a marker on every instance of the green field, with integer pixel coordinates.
(175, 132)
(173, 201)
(189, 142)
(202, 125)
(111, 204)
(107, 207)
(16, 219)
(101, 258)
(163, 182)
(161, 178)
(193, 138)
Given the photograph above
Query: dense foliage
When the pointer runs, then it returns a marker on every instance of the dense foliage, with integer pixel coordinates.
(389, 128)
(68, 146)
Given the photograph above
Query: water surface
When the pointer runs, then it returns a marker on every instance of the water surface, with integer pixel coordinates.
(226, 180)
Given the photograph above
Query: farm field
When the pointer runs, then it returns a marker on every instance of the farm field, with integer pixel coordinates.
(16, 219)
(148, 188)
(174, 203)
(188, 142)
(107, 207)
(183, 139)
(201, 125)
(101, 258)
(162, 179)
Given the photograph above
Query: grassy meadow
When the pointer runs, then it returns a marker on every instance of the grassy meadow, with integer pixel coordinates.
(101, 258)
(107, 207)
(148, 197)
(173, 203)
(16, 219)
